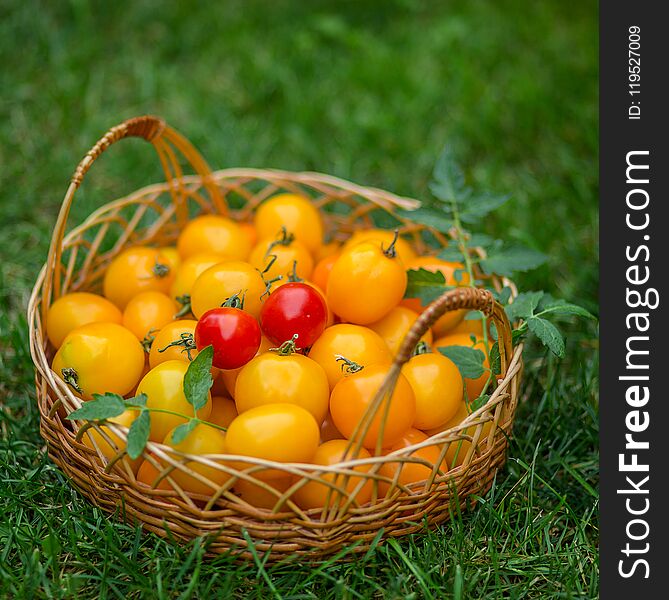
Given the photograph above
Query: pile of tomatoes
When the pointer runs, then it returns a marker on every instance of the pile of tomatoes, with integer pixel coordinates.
(303, 334)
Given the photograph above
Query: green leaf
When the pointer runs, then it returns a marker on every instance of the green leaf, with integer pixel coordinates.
(474, 315)
(523, 305)
(425, 285)
(479, 402)
(138, 434)
(479, 239)
(561, 307)
(504, 296)
(103, 406)
(468, 360)
(512, 259)
(181, 432)
(478, 206)
(437, 219)
(516, 337)
(139, 400)
(197, 380)
(449, 180)
(495, 359)
(548, 334)
(451, 254)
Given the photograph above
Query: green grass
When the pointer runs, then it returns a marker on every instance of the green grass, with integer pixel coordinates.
(363, 90)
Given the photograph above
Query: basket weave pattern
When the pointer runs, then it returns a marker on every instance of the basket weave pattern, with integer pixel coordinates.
(155, 215)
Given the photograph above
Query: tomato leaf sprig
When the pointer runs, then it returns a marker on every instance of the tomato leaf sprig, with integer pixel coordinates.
(196, 385)
(456, 205)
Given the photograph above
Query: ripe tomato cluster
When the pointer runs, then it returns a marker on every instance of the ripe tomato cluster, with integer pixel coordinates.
(303, 335)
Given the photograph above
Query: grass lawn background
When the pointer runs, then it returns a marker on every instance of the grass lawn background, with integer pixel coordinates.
(366, 91)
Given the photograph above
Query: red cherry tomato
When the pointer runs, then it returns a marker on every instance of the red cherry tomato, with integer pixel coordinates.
(294, 308)
(234, 334)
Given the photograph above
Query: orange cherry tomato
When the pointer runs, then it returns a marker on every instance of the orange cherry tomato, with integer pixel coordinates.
(277, 258)
(354, 394)
(395, 325)
(174, 341)
(384, 237)
(366, 283)
(329, 431)
(332, 489)
(326, 250)
(434, 265)
(98, 358)
(411, 472)
(292, 379)
(225, 280)
(296, 213)
(256, 494)
(190, 270)
(277, 432)
(223, 411)
(163, 386)
(109, 443)
(147, 313)
(203, 439)
(474, 386)
(214, 234)
(148, 475)
(136, 270)
(469, 326)
(229, 376)
(76, 309)
(172, 257)
(322, 270)
(437, 385)
(250, 231)
(355, 343)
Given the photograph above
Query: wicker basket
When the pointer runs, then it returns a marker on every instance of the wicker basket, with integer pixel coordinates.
(154, 215)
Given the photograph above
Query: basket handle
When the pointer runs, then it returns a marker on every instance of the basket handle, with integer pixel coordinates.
(468, 298)
(165, 141)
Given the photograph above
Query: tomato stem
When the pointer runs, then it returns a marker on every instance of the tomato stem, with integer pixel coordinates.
(288, 347)
(185, 309)
(235, 301)
(160, 270)
(148, 340)
(421, 348)
(347, 365)
(283, 238)
(186, 340)
(71, 377)
(391, 251)
(293, 277)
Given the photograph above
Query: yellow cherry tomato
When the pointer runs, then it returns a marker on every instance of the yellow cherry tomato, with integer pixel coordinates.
(229, 376)
(250, 232)
(109, 443)
(385, 237)
(174, 341)
(411, 472)
(327, 489)
(322, 270)
(223, 411)
(277, 432)
(437, 385)
(171, 254)
(291, 379)
(256, 494)
(327, 250)
(189, 270)
(98, 358)
(353, 342)
(366, 283)
(164, 388)
(147, 313)
(354, 394)
(395, 325)
(224, 280)
(296, 213)
(275, 258)
(137, 270)
(203, 439)
(148, 475)
(214, 234)
(468, 326)
(76, 309)
(449, 269)
(474, 386)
